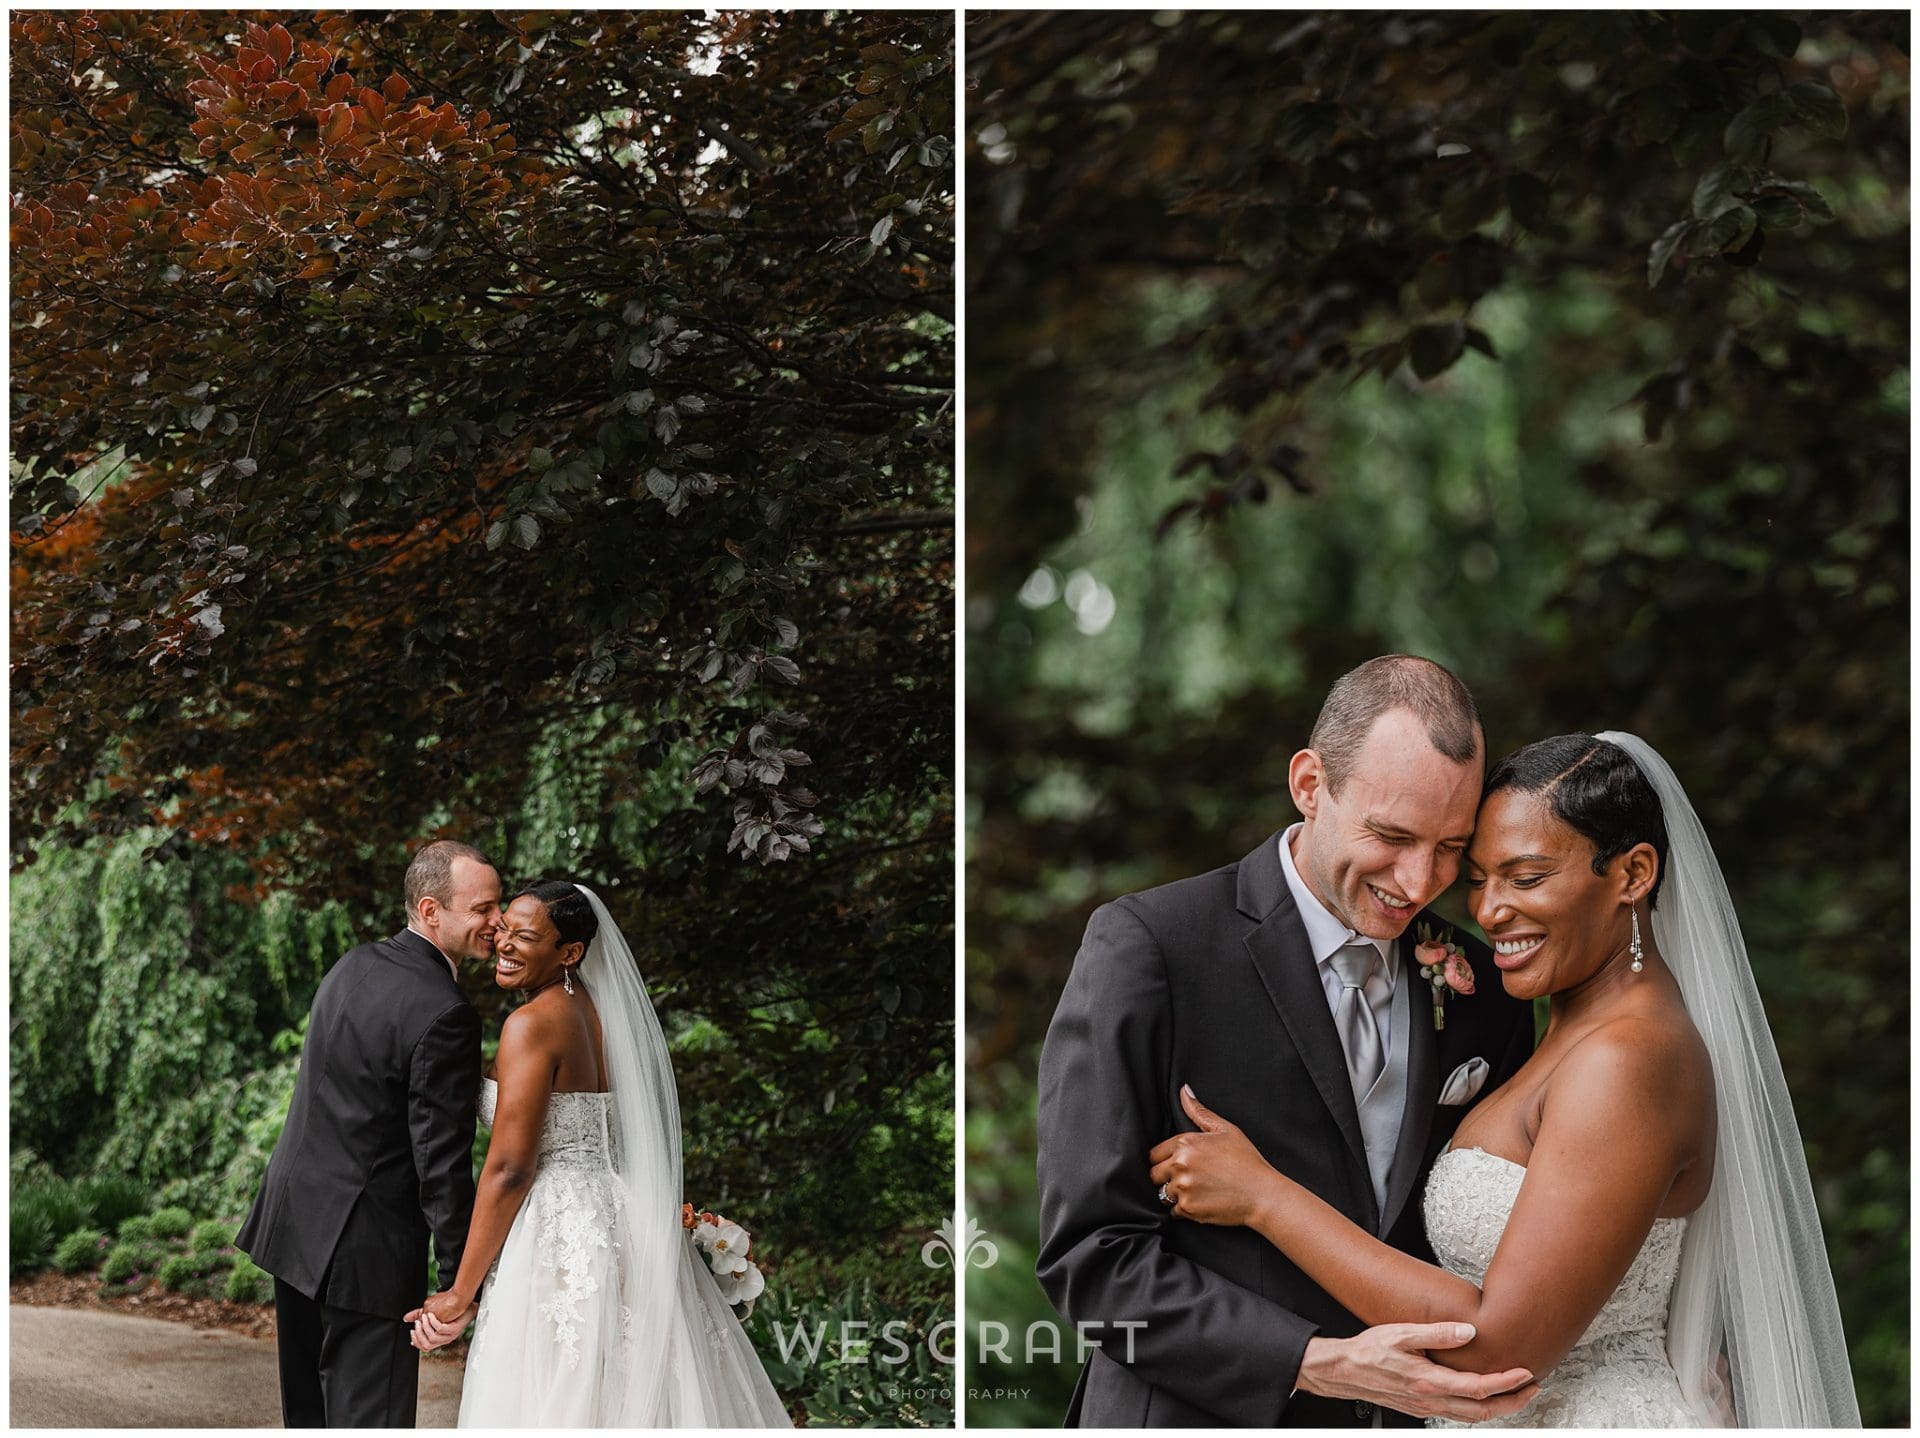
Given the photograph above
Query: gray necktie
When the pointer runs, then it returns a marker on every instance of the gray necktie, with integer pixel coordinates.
(1356, 965)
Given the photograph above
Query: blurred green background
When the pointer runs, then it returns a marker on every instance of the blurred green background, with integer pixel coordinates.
(1264, 381)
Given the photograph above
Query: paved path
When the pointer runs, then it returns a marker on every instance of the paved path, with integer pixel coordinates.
(87, 1368)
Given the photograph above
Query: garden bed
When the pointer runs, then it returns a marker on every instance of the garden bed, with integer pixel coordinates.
(82, 1290)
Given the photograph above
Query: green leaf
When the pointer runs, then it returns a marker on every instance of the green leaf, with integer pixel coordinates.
(1654, 115)
(1470, 206)
(1477, 339)
(539, 459)
(1747, 132)
(1777, 212)
(1434, 348)
(1527, 200)
(639, 401)
(1728, 230)
(526, 531)
(1818, 210)
(496, 534)
(201, 417)
(398, 458)
(1715, 192)
(1663, 248)
(880, 231)
(1818, 108)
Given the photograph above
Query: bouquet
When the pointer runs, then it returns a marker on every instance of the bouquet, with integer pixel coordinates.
(729, 1251)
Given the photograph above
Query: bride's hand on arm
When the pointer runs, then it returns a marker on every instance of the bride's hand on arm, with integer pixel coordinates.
(1216, 1175)
(524, 1069)
(1611, 1142)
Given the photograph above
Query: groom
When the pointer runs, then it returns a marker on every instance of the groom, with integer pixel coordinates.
(377, 1153)
(1282, 989)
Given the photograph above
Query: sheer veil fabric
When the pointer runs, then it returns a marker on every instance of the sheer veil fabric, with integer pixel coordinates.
(1754, 1287)
(691, 1365)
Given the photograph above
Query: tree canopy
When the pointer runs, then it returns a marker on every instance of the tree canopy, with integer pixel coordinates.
(1568, 349)
(384, 393)
(534, 429)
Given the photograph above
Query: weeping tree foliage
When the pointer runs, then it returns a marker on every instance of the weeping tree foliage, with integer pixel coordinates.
(1569, 350)
(431, 423)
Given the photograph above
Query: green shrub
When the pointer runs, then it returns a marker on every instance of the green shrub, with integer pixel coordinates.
(248, 1283)
(171, 1223)
(888, 1377)
(56, 1199)
(124, 1260)
(137, 1229)
(30, 1237)
(185, 1272)
(214, 1233)
(79, 1250)
(111, 1198)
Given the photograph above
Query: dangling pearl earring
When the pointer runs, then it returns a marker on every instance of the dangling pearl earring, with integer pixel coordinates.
(1638, 953)
(566, 974)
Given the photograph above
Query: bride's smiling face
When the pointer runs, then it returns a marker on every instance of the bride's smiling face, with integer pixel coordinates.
(1553, 922)
(527, 952)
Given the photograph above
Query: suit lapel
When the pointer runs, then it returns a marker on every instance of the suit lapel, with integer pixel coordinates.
(1423, 1083)
(1284, 961)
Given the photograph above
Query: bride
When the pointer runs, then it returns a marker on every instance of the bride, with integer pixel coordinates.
(1630, 1214)
(596, 1310)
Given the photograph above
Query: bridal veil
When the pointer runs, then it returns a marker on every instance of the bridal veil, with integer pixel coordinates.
(1754, 1286)
(689, 1363)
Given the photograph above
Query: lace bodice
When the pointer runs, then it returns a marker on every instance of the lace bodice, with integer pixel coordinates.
(1617, 1375)
(576, 1130)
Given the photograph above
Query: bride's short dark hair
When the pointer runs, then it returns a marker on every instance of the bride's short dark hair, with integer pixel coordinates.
(572, 915)
(1595, 789)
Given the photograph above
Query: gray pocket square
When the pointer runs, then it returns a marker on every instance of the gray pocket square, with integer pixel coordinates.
(1465, 1082)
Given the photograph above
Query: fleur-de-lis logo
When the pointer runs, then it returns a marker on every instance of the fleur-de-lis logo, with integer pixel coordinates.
(972, 1249)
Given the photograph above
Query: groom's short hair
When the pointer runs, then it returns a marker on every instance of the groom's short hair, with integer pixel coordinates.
(1394, 681)
(431, 872)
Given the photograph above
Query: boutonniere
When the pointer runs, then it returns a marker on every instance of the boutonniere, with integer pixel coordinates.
(1443, 963)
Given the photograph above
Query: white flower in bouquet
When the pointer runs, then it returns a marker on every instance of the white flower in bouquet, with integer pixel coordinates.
(727, 1249)
(742, 1287)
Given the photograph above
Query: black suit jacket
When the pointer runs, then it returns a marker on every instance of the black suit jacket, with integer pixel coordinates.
(1211, 982)
(378, 1146)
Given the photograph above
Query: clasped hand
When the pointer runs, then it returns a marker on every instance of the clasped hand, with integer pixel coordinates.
(440, 1320)
(1214, 1176)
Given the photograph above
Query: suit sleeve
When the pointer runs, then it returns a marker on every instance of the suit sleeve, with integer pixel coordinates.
(443, 1095)
(1104, 1072)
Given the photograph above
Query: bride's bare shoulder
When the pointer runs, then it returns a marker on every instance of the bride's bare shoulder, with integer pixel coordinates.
(1651, 1059)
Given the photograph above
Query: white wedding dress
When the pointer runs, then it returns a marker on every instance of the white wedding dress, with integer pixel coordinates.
(1618, 1374)
(556, 1346)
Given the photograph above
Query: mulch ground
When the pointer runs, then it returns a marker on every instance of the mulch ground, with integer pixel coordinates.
(82, 1290)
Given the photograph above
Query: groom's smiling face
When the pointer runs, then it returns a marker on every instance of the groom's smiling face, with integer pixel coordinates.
(1391, 840)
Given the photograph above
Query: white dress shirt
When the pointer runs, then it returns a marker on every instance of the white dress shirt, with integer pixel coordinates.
(1328, 936)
